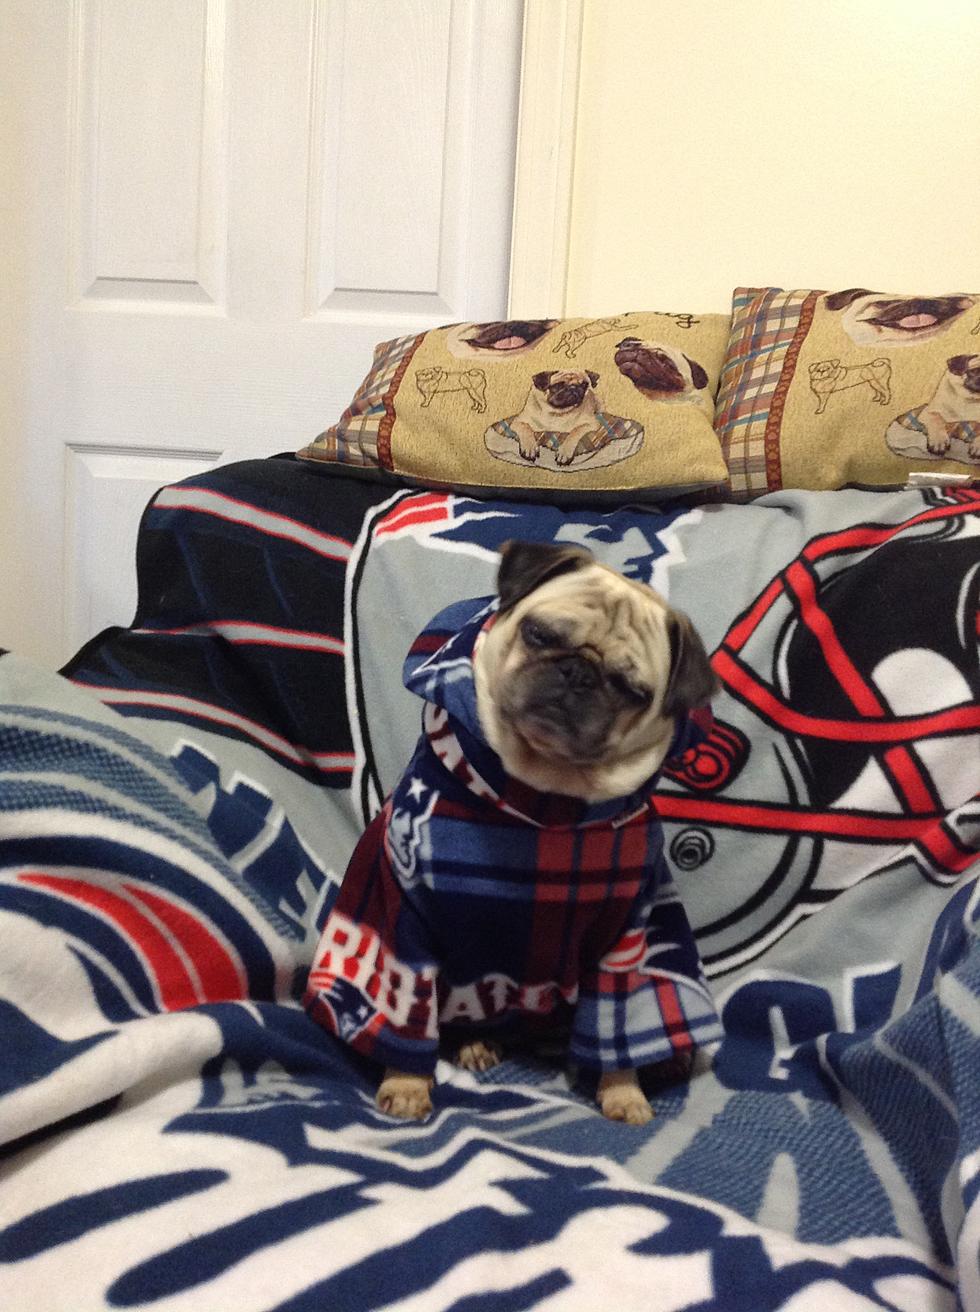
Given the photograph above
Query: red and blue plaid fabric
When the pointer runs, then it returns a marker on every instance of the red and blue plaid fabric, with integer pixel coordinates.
(474, 902)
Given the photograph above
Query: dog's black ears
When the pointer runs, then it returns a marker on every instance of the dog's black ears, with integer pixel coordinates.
(698, 376)
(524, 566)
(692, 680)
(542, 379)
(958, 364)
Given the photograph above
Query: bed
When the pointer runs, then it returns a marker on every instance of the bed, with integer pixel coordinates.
(179, 803)
(176, 810)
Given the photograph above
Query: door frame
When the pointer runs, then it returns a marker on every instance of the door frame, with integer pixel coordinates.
(545, 168)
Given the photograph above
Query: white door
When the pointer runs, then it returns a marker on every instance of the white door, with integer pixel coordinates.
(210, 211)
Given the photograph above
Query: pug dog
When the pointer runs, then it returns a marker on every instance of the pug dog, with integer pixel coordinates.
(830, 376)
(514, 882)
(870, 318)
(660, 371)
(560, 401)
(435, 379)
(955, 401)
(573, 339)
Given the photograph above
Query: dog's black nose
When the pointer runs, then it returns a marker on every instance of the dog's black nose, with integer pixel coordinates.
(579, 674)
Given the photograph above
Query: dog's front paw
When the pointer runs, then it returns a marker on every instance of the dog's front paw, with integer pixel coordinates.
(626, 1104)
(621, 1099)
(938, 446)
(405, 1096)
(479, 1056)
(973, 450)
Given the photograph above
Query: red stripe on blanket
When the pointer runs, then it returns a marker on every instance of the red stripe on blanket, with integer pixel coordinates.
(432, 508)
(861, 538)
(220, 976)
(327, 762)
(943, 849)
(202, 501)
(909, 780)
(801, 585)
(844, 825)
(902, 766)
(174, 985)
(950, 720)
(245, 633)
(739, 633)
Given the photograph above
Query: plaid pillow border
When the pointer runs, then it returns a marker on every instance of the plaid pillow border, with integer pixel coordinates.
(362, 435)
(768, 330)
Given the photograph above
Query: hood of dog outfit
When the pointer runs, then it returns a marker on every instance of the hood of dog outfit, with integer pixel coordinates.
(439, 669)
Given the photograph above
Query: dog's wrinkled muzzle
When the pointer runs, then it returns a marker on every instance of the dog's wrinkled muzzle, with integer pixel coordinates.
(566, 396)
(564, 712)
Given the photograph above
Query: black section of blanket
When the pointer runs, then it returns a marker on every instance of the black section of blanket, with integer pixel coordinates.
(240, 623)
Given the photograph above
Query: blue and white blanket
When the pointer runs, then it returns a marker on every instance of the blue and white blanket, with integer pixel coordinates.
(175, 809)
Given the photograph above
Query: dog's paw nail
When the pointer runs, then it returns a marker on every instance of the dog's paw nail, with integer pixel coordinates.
(404, 1099)
(479, 1056)
(634, 1110)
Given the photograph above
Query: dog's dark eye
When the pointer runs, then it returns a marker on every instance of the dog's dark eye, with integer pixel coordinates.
(633, 692)
(536, 636)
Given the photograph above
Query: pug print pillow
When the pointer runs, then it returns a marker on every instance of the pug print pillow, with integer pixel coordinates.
(823, 389)
(584, 406)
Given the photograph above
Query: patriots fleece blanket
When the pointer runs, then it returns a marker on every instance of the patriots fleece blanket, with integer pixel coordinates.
(176, 809)
(476, 903)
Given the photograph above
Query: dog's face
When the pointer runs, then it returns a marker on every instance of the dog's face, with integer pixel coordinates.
(565, 389)
(870, 317)
(655, 367)
(824, 370)
(965, 370)
(581, 676)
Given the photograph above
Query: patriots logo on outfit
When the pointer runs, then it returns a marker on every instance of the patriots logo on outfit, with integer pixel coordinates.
(349, 1009)
(407, 831)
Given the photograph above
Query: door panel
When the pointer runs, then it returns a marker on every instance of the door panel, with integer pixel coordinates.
(105, 491)
(218, 207)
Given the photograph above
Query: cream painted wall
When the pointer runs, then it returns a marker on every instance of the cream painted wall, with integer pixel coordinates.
(826, 143)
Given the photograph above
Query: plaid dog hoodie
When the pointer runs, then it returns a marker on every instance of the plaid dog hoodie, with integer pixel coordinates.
(474, 902)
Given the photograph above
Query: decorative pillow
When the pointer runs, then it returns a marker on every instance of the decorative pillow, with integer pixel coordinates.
(821, 389)
(543, 406)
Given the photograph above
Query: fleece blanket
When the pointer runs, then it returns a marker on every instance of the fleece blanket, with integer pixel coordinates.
(175, 809)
